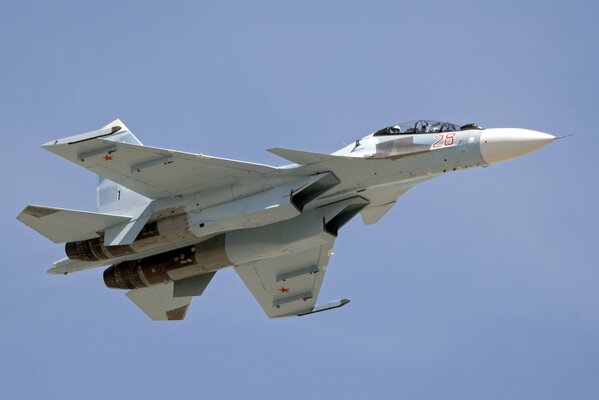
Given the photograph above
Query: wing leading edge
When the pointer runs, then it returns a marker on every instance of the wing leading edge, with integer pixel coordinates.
(150, 171)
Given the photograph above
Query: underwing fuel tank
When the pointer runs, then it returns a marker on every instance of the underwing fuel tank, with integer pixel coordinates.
(272, 206)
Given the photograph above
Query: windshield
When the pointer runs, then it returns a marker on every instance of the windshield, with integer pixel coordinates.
(423, 126)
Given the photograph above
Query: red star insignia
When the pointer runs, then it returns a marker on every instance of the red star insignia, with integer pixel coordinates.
(284, 289)
(107, 157)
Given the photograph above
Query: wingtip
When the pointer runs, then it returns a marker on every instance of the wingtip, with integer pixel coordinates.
(49, 144)
(116, 123)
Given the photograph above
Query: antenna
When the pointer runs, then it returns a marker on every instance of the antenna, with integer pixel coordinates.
(564, 136)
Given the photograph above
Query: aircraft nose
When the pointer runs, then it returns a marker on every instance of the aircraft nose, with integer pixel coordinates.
(498, 145)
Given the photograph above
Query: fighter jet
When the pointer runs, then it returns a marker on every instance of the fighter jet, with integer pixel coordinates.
(168, 220)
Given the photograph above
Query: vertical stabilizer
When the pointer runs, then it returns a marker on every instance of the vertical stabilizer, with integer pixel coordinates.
(114, 198)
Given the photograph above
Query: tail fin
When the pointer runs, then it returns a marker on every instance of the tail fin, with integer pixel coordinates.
(114, 198)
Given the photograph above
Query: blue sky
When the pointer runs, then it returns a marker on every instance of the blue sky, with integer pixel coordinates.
(479, 284)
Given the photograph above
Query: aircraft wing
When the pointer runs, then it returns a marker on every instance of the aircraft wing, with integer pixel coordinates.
(287, 285)
(150, 171)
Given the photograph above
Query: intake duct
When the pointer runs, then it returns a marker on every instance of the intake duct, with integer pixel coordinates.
(343, 217)
(311, 192)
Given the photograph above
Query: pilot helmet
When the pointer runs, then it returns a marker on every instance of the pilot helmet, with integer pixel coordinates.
(394, 129)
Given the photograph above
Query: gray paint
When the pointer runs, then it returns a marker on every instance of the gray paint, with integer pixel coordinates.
(199, 214)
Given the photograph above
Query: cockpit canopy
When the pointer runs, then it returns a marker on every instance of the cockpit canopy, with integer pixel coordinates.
(423, 126)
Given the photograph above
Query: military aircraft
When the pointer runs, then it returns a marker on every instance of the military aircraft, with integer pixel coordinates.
(168, 220)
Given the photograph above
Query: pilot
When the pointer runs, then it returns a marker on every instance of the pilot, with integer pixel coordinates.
(394, 130)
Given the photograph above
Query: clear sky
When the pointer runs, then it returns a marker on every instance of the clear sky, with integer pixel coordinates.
(478, 285)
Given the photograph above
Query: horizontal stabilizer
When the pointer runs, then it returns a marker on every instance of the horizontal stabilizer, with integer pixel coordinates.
(192, 286)
(61, 225)
(159, 303)
(300, 157)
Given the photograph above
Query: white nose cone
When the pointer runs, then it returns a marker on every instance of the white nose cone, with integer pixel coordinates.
(498, 145)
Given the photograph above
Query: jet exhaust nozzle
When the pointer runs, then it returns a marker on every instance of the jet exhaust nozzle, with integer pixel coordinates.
(174, 265)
